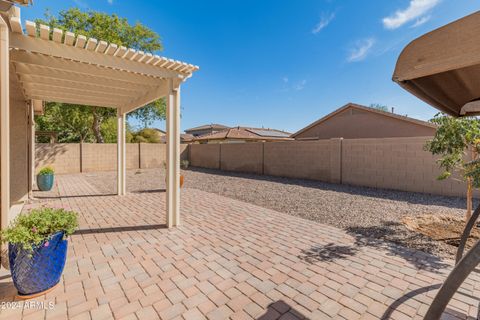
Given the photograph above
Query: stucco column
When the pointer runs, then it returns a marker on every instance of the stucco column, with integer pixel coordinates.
(4, 125)
(173, 156)
(121, 154)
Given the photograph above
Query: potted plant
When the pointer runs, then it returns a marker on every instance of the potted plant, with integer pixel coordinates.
(37, 249)
(164, 163)
(45, 179)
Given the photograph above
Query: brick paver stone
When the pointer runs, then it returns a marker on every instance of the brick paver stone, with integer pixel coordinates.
(228, 259)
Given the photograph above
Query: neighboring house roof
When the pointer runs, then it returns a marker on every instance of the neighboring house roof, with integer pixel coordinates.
(184, 137)
(245, 133)
(213, 126)
(368, 109)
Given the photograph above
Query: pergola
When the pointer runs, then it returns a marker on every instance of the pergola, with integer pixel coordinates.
(52, 65)
(443, 69)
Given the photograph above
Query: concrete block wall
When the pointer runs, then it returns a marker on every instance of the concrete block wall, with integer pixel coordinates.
(298, 159)
(64, 157)
(388, 163)
(205, 155)
(243, 157)
(89, 157)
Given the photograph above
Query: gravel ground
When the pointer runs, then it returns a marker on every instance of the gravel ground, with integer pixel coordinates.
(368, 212)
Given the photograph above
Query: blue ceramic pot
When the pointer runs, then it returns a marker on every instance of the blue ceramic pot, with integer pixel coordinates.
(45, 182)
(38, 270)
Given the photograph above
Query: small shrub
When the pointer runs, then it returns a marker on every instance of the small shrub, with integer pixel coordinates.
(31, 229)
(184, 164)
(46, 171)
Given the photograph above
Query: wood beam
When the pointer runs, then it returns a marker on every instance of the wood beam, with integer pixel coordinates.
(96, 93)
(62, 75)
(58, 50)
(152, 95)
(66, 84)
(31, 59)
(70, 100)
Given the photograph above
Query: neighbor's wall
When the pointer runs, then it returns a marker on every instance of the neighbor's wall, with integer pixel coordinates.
(355, 124)
(90, 157)
(390, 163)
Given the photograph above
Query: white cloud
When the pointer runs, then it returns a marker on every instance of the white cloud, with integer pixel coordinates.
(325, 20)
(361, 50)
(110, 1)
(421, 21)
(300, 85)
(415, 10)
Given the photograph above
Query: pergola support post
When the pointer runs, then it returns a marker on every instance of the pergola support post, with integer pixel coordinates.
(4, 124)
(173, 156)
(121, 154)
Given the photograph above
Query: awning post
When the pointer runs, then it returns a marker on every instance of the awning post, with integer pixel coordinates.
(121, 154)
(173, 156)
(4, 124)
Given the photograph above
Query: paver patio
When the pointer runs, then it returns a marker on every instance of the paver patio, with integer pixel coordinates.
(229, 259)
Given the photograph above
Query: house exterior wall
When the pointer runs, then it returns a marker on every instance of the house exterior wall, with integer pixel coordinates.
(19, 137)
(354, 123)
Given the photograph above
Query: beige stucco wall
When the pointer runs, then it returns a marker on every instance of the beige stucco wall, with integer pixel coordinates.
(245, 157)
(19, 169)
(298, 159)
(354, 123)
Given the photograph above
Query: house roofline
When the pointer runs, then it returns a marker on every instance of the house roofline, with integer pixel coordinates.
(364, 108)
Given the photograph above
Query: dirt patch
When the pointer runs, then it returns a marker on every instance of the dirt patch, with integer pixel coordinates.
(445, 228)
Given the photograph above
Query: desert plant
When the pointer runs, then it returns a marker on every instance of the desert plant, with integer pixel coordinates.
(31, 229)
(457, 142)
(46, 171)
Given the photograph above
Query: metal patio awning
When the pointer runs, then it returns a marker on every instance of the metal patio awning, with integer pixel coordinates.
(442, 67)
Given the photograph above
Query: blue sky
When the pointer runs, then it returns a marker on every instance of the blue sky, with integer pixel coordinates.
(283, 64)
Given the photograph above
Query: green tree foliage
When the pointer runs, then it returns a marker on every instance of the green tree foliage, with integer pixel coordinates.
(147, 135)
(147, 115)
(113, 29)
(457, 142)
(71, 122)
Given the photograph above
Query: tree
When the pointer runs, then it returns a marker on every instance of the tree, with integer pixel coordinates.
(116, 30)
(148, 114)
(457, 142)
(380, 107)
(71, 122)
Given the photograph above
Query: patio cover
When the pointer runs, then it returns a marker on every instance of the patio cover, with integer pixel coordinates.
(52, 65)
(443, 67)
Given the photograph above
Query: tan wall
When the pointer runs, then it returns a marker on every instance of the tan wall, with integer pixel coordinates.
(205, 155)
(390, 163)
(395, 163)
(63, 157)
(153, 155)
(19, 171)
(298, 159)
(355, 124)
(245, 157)
(71, 158)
